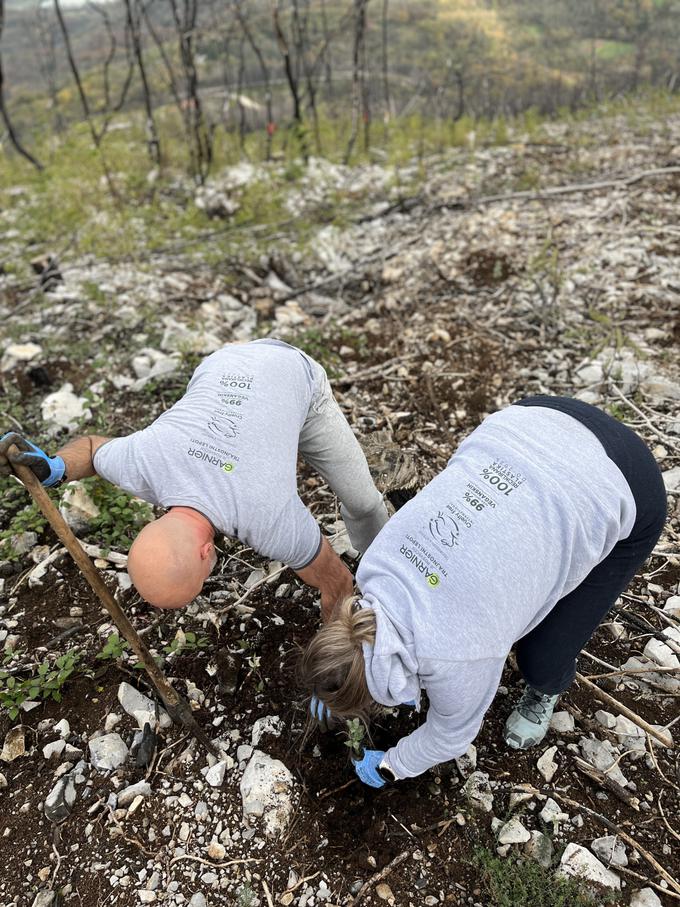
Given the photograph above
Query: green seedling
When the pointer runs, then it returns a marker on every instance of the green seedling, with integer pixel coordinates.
(186, 642)
(356, 733)
(45, 681)
(114, 648)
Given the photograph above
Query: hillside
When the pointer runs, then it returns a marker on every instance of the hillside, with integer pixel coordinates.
(434, 291)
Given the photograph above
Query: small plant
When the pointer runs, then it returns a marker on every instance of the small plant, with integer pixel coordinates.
(512, 882)
(44, 683)
(356, 732)
(245, 896)
(28, 519)
(186, 642)
(114, 648)
(120, 516)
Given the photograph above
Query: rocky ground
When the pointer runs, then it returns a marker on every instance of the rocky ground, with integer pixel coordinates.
(429, 309)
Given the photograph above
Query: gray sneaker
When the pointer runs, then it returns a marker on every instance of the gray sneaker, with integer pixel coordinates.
(530, 719)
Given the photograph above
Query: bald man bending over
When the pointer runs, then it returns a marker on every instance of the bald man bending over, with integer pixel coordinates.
(224, 458)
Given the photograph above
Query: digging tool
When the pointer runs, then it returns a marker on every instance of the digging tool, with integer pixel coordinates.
(177, 707)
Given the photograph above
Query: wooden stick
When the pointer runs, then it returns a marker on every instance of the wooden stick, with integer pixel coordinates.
(553, 191)
(623, 835)
(608, 783)
(631, 671)
(178, 709)
(268, 894)
(379, 876)
(666, 739)
(636, 875)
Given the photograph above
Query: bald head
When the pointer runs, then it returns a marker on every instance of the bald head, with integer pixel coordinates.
(171, 558)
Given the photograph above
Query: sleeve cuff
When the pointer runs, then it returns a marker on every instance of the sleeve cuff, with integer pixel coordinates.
(311, 559)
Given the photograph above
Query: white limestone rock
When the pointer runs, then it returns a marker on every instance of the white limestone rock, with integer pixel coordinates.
(547, 765)
(577, 862)
(552, 813)
(562, 722)
(477, 791)
(214, 774)
(140, 707)
(270, 724)
(660, 389)
(64, 410)
(78, 508)
(539, 847)
(513, 832)
(56, 748)
(151, 364)
(645, 897)
(606, 719)
(467, 763)
(59, 802)
(14, 744)
(661, 654)
(267, 791)
(671, 479)
(18, 352)
(588, 374)
(602, 755)
(107, 752)
(610, 850)
(672, 607)
(128, 794)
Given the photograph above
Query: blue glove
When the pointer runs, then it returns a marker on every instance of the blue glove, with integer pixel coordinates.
(319, 709)
(367, 768)
(49, 470)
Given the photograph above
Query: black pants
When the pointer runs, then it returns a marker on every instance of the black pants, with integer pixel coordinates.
(547, 655)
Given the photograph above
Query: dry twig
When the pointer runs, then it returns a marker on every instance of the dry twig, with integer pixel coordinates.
(378, 877)
(666, 739)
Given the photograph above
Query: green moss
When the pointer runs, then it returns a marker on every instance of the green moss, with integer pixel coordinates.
(514, 882)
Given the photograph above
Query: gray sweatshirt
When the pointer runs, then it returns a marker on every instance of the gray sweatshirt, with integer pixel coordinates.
(229, 448)
(527, 506)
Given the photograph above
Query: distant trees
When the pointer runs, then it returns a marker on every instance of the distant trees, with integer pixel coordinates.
(284, 74)
(4, 114)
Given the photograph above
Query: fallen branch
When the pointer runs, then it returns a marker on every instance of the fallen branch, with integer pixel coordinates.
(267, 894)
(637, 875)
(188, 856)
(666, 739)
(246, 609)
(665, 820)
(622, 834)
(556, 191)
(336, 790)
(378, 877)
(648, 422)
(607, 783)
(630, 671)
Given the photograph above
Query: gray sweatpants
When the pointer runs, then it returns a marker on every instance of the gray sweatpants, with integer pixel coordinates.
(328, 444)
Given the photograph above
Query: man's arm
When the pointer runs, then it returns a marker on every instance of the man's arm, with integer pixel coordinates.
(78, 456)
(330, 576)
(73, 461)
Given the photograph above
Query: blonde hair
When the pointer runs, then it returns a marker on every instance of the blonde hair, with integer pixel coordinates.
(332, 665)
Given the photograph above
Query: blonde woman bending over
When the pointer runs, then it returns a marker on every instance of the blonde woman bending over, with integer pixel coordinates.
(526, 539)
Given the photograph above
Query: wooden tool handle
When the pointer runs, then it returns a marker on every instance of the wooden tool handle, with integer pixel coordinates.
(178, 709)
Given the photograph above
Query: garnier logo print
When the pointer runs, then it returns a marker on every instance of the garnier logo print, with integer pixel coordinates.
(430, 576)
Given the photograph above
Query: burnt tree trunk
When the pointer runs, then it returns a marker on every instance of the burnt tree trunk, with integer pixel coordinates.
(293, 82)
(13, 137)
(247, 31)
(134, 23)
(357, 72)
(200, 139)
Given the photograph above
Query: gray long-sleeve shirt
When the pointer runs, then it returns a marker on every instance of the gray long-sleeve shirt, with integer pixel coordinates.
(229, 448)
(527, 506)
